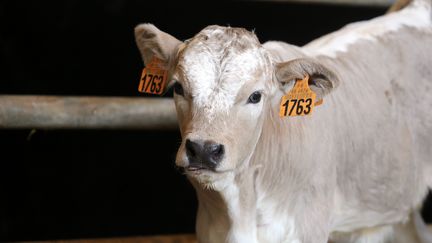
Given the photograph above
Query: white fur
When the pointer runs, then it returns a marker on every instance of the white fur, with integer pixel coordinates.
(214, 85)
(348, 217)
(417, 16)
(240, 229)
(274, 227)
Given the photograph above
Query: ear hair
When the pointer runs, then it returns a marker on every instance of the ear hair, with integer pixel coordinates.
(321, 79)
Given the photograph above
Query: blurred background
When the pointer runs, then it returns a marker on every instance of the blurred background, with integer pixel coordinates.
(69, 183)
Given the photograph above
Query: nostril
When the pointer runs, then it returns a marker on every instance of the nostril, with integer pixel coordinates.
(191, 149)
(216, 151)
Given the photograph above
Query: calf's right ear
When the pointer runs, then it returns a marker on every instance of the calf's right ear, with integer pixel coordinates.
(153, 42)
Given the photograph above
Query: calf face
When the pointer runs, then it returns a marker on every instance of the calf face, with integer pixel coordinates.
(223, 84)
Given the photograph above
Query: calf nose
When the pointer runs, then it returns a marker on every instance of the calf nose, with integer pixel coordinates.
(204, 154)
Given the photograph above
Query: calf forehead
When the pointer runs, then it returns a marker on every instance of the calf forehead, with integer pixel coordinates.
(216, 63)
(215, 85)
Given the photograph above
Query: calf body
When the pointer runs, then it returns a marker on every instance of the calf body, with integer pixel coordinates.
(350, 172)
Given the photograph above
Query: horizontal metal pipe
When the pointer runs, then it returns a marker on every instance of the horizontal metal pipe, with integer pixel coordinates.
(379, 3)
(63, 112)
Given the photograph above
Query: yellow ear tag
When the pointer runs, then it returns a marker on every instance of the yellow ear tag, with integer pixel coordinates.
(299, 101)
(153, 77)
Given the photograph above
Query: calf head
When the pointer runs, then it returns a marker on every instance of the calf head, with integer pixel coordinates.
(224, 81)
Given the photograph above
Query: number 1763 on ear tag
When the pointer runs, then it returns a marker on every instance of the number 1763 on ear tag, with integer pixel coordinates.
(299, 101)
(153, 77)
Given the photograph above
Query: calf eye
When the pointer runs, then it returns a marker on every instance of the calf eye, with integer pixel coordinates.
(178, 89)
(255, 97)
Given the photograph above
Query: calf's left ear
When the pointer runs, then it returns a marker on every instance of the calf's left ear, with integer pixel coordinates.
(321, 79)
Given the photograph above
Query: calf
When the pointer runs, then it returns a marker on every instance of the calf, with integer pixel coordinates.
(353, 170)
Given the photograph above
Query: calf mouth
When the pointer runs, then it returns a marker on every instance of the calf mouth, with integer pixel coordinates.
(198, 168)
(195, 168)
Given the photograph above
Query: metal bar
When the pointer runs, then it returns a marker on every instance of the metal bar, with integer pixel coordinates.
(377, 3)
(57, 112)
(180, 238)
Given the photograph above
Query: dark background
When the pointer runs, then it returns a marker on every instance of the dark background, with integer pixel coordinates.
(99, 183)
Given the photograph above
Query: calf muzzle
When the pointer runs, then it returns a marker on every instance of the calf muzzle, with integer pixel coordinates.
(204, 154)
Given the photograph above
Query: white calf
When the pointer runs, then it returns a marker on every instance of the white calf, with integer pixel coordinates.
(352, 171)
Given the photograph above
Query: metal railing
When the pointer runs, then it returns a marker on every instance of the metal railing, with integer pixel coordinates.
(62, 112)
(378, 3)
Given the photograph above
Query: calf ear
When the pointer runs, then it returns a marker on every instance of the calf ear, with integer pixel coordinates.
(153, 42)
(321, 80)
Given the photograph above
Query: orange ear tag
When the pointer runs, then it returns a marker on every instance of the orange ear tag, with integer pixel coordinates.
(300, 100)
(153, 77)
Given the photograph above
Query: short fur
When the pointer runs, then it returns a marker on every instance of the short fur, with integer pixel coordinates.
(354, 171)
